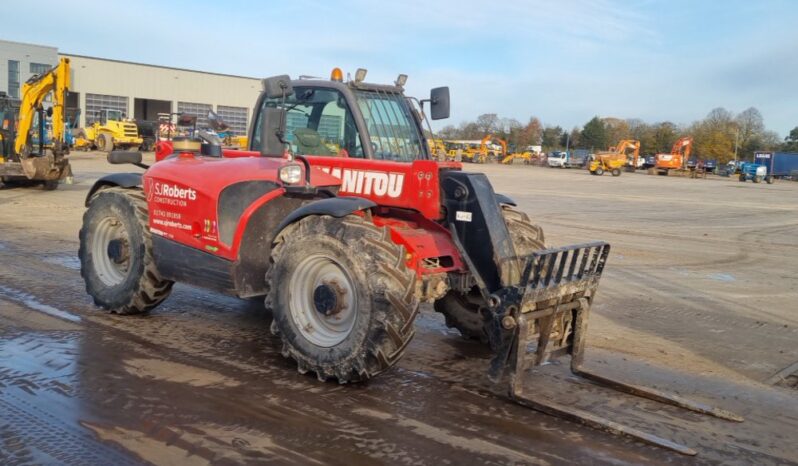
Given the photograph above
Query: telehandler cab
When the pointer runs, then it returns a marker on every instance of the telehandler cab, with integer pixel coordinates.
(339, 217)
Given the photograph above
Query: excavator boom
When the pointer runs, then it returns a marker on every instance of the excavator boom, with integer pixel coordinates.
(33, 93)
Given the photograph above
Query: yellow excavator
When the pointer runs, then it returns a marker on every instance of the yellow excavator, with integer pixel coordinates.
(615, 158)
(23, 162)
(484, 153)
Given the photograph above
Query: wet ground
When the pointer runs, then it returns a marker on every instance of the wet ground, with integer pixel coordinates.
(698, 298)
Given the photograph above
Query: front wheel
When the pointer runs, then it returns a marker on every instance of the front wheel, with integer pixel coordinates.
(342, 297)
(616, 172)
(115, 253)
(599, 171)
(465, 311)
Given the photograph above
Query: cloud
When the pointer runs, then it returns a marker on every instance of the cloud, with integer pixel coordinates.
(562, 61)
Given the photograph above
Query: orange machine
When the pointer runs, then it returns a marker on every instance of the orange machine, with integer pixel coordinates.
(680, 152)
(489, 154)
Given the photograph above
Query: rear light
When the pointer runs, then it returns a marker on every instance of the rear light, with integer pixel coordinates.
(290, 174)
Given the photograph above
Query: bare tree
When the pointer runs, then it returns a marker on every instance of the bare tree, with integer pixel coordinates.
(488, 123)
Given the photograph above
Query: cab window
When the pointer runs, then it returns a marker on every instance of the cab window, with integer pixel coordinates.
(318, 122)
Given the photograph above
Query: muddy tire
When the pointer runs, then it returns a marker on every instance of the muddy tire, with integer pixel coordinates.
(105, 142)
(50, 185)
(342, 297)
(116, 253)
(464, 312)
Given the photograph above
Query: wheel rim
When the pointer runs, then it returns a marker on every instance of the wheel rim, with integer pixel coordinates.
(322, 300)
(111, 251)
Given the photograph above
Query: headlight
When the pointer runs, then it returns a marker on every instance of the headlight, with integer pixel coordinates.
(291, 174)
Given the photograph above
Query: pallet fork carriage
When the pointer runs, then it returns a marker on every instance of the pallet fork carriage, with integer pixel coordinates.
(552, 317)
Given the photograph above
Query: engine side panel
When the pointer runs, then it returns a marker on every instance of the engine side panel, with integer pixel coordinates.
(413, 185)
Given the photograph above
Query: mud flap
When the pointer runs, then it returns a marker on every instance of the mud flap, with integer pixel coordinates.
(547, 318)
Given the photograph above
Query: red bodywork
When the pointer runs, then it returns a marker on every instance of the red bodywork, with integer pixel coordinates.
(183, 194)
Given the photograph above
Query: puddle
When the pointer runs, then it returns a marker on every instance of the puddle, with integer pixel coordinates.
(30, 301)
(67, 261)
(722, 277)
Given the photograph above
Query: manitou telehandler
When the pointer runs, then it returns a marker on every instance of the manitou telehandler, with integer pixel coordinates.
(345, 244)
(23, 162)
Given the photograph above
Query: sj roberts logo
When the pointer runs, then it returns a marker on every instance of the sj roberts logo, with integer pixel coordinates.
(161, 192)
(369, 182)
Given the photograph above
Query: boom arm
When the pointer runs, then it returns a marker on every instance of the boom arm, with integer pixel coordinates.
(627, 144)
(682, 148)
(33, 93)
(483, 145)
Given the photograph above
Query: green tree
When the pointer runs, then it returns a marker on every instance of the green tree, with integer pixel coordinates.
(665, 134)
(572, 139)
(551, 138)
(593, 135)
(791, 141)
(616, 130)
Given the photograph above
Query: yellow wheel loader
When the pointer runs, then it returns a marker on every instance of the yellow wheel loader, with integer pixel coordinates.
(111, 131)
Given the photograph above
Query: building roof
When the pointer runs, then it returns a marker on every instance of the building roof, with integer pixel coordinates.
(28, 44)
(155, 66)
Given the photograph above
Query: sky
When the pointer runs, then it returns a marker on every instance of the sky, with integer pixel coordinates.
(561, 61)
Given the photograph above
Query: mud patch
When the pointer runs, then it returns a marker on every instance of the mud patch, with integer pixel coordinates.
(71, 262)
(442, 436)
(178, 373)
(147, 448)
(787, 377)
(14, 315)
(30, 301)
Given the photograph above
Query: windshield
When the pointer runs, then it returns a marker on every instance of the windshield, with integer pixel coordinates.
(114, 115)
(392, 130)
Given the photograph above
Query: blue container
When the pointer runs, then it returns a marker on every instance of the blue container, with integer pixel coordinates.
(778, 163)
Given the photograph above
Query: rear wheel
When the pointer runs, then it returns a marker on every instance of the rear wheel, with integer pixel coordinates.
(616, 172)
(769, 179)
(116, 253)
(742, 178)
(342, 296)
(464, 312)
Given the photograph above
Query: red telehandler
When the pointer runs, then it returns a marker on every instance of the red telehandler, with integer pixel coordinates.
(339, 217)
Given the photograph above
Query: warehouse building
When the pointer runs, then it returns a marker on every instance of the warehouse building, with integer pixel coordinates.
(139, 90)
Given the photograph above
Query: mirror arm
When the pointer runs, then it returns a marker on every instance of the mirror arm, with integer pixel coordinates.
(142, 165)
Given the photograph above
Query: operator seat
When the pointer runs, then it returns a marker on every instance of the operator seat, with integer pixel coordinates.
(309, 142)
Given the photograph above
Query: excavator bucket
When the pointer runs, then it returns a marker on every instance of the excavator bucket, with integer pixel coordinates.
(547, 318)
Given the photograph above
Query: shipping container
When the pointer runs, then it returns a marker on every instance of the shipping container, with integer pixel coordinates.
(779, 164)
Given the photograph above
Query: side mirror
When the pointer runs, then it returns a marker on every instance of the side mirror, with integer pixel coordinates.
(277, 86)
(439, 103)
(118, 157)
(271, 143)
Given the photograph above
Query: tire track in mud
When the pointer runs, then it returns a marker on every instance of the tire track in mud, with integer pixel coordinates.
(191, 333)
(211, 332)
